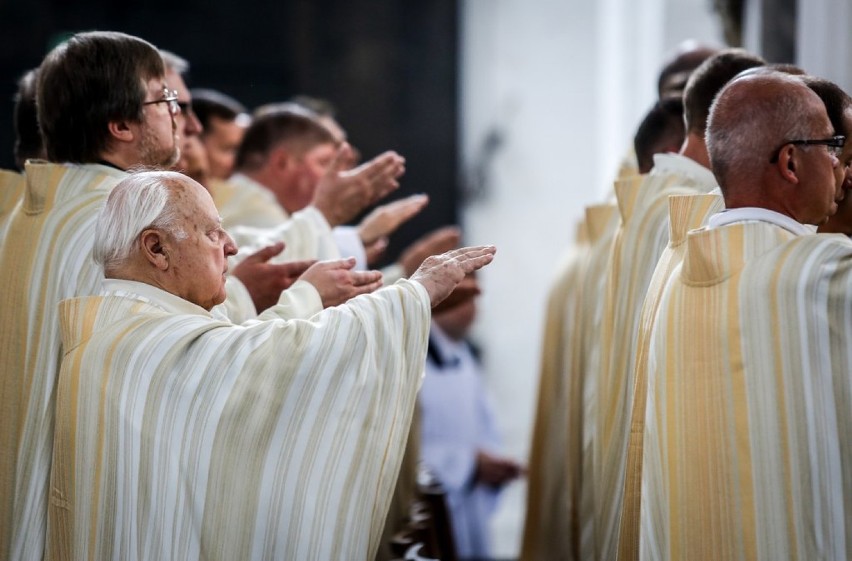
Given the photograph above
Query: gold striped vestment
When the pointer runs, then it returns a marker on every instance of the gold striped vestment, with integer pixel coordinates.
(644, 233)
(686, 212)
(746, 449)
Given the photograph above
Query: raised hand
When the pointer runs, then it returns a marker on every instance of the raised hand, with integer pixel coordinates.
(385, 219)
(265, 281)
(435, 242)
(342, 194)
(336, 282)
(440, 274)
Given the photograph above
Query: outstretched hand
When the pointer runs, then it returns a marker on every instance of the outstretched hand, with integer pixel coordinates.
(342, 194)
(435, 242)
(265, 281)
(336, 282)
(385, 219)
(440, 274)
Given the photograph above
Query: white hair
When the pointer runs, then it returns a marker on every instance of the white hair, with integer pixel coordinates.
(141, 201)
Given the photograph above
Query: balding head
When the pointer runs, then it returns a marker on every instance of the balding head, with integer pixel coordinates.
(749, 134)
(162, 228)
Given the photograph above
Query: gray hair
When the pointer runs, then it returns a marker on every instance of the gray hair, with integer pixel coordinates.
(141, 201)
(174, 63)
(753, 116)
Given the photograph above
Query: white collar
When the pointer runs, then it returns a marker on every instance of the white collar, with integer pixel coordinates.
(152, 295)
(680, 164)
(751, 214)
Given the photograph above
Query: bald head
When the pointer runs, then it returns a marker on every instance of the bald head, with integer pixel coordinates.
(749, 138)
(755, 114)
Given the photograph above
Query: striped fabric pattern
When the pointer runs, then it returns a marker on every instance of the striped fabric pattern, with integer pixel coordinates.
(686, 212)
(45, 256)
(641, 239)
(550, 530)
(560, 501)
(747, 454)
(243, 202)
(602, 221)
(11, 188)
(183, 437)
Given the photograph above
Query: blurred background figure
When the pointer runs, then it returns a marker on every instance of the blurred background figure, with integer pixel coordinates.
(460, 441)
(224, 121)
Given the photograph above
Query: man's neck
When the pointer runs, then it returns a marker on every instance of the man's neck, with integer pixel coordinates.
(115, 160)
(695, 149)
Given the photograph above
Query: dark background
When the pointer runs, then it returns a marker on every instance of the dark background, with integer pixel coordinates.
(389, 67)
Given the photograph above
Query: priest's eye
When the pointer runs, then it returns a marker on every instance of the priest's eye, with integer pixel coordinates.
(214, 234)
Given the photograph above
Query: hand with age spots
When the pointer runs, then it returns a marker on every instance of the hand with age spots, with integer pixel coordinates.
(440, 274)
(336, 282)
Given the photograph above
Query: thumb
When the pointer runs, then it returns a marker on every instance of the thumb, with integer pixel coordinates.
(267, 252)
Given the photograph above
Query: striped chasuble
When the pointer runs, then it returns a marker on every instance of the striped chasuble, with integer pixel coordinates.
(45, 256)
(639, 242)
(747, 448)
(11, 188)
(686, 212)
(183, 437)
(550, 530)
(559, 501)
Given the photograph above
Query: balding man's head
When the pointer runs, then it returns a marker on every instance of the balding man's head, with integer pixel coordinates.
(754, 136)
(162, 229)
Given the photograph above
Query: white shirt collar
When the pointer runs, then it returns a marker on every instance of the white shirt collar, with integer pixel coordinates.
(751, 214)
(680, 164)
(152, 295)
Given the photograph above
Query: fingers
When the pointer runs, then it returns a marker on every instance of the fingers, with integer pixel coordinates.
(463, 254)
(382, 173)
(292, 268)
(266, 253)
(346, 263)
(361, 278)
(404, 209)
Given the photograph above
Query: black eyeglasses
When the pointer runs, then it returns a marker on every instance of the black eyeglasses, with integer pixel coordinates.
(834, 145)
(170, 97)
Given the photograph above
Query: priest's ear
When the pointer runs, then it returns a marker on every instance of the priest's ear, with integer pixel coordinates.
(152, 246)
(787, 163)
(120, 131)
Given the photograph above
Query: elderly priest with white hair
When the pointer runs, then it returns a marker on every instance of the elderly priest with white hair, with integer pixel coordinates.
(180, 435)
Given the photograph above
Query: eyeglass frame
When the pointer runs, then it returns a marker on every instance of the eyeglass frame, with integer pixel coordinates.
(836, 142)
(170, 97)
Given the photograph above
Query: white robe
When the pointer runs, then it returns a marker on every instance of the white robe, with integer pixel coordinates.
(180, 436)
